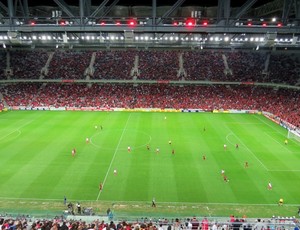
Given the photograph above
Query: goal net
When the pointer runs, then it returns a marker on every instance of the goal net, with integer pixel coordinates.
(292, 134)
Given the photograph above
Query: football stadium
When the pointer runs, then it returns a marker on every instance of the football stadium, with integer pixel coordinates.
(154, 115)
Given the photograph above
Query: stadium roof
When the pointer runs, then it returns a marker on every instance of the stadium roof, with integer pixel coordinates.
(151, 23)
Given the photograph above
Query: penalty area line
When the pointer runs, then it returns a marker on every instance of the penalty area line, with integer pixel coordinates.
(249, 150)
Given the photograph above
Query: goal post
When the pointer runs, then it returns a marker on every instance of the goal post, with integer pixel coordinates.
(292, 134)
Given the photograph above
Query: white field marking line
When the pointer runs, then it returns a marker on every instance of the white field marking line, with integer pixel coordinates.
(19, 133)
(133, 147)
(279, 170)
(18, 129)
(283, 145)
(297, 143)
(248, 150)
(108, 170)
(227, 138)
(296, 170)
(243, 123)
(132, 201)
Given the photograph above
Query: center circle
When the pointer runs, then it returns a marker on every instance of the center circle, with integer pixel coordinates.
(112, 138)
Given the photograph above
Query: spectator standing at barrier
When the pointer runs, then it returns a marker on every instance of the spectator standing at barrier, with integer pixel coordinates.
(78, 208)
(259, 225)
(204, 224)
(153, 203)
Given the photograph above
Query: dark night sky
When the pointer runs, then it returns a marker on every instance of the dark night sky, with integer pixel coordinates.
(234, 3)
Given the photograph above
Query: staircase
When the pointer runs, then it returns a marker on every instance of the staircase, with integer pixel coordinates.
(227, 70)
(181, 73)
(45, 69)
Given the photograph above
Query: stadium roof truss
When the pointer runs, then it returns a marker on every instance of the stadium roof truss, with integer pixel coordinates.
(273, 24)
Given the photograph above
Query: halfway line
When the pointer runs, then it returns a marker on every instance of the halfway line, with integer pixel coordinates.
(114, 156)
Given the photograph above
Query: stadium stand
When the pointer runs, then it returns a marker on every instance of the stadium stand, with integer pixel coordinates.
(246, 66)
(284, 68)
(174, 65)
(284, 103)
(2, 64)
(26, 65)
(68, 65)
(158, 65)
(189, 223)
(204, 65)
(114, 65)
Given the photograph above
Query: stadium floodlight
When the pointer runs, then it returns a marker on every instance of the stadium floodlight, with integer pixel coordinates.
(132, 22)
(190, 22)
(226, 39)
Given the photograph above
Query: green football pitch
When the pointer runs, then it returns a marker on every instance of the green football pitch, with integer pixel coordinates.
(37, 164)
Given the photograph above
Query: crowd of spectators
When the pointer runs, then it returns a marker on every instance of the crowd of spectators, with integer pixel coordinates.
(160, 65)
(284, 103)
(27, 65)
(3, 65)
(114, 64)
(69, 64)
(193, 223)
(284, 68)
(204, 65)
(22, 94)
(246, 66)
